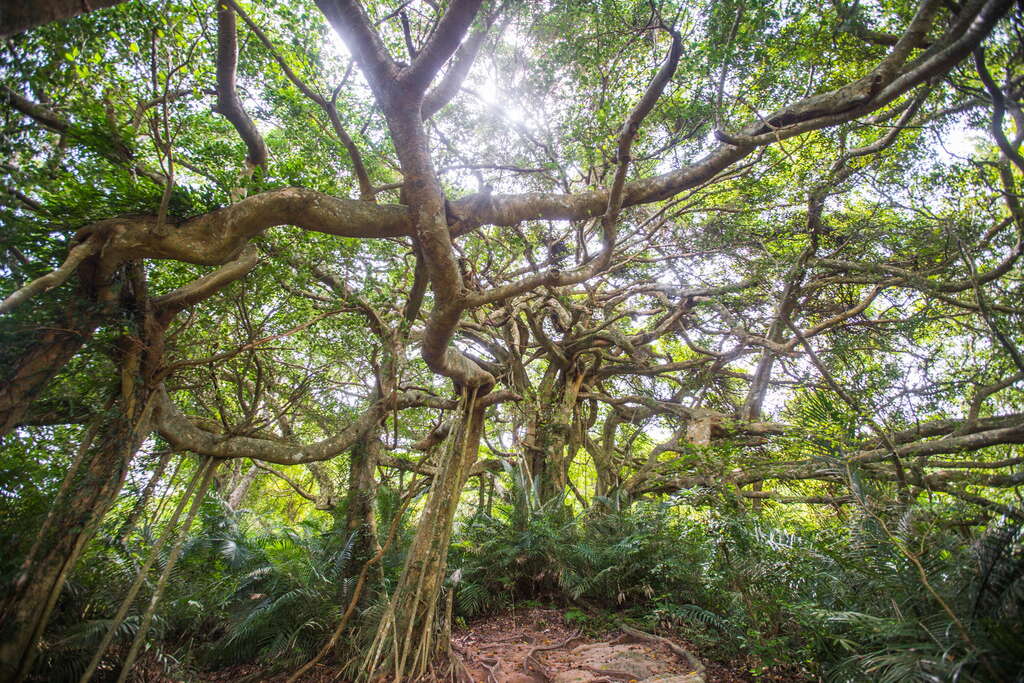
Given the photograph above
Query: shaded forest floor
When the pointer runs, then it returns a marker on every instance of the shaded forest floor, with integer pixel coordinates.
(542, 645)
(539, 646)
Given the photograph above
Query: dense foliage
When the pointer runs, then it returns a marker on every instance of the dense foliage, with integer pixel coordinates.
(330, 326)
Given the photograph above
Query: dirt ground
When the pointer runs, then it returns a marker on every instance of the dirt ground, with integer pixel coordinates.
(537, 645)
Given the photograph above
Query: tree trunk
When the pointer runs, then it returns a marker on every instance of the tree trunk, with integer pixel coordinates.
(405, 643)
(75, 515)
(240, 487)
(53, 346)
(40, 362)
(90, 487)
(548, 458)
(360, 519)
(22, 16)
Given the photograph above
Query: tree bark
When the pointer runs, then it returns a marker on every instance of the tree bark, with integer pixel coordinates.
(360, 518)
(50, 351)
(405, 644)
(74, 518)
(552, 435)
(240, 487)
(16, 17)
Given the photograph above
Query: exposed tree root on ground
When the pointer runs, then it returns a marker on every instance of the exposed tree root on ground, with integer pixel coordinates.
(538, 646)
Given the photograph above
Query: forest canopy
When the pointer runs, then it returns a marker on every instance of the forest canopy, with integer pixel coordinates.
(327, 326)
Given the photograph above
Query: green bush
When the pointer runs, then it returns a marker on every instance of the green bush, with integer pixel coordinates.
(842, 598)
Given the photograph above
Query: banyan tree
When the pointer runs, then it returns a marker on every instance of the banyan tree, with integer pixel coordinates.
(617, 249)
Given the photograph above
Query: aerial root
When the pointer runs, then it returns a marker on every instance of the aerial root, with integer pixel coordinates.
(357, 591)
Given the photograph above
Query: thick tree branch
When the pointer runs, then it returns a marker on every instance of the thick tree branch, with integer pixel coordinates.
(185, 434)
(54, 278)
(366, 191)
(1013, 433)
(22, 16)
(216, 237)
(295, 486)
(998, 111)
(442, 44)
(179, 431)
(351, 23)
(204, 287)
(453, 78)
(228, 103)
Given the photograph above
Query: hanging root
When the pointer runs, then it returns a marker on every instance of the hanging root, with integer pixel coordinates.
(140, 576)
(209, 467)
(358, 590)
(409, 627)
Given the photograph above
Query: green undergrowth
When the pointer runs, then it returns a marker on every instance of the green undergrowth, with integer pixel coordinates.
(838, 598)
(244, 592)
(833, 595)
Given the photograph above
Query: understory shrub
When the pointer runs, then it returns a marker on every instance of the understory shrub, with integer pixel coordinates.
(852, 598)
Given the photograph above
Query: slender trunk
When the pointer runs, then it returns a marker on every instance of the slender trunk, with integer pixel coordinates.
(490, 497)
(603, 455)
(405, 643)
(241, 487)
(360, 519)
(605, 480)
(361, 497)
(759, 385)
(550, 452)
(140, 576)
(147, 493)
(161, 584)
(481, 494)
